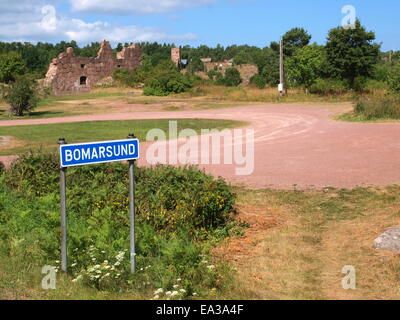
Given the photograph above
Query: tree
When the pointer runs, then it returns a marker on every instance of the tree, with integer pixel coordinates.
(351, 53)
(11, 65)
(232, 77)
(294, 39)
(165, 79)
(269, 67)
(21, 95)
(304, 67)
(394, 79)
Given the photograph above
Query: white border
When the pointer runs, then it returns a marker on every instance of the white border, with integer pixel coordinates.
(98, 142)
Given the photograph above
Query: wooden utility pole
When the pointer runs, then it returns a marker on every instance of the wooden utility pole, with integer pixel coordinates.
(281, 69)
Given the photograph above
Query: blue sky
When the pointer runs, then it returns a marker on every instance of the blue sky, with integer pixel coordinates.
(195, 22)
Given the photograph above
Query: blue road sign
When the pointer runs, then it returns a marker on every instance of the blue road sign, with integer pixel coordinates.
(98, 152)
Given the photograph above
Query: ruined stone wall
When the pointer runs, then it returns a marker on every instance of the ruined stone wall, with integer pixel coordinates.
(246, 70)
(176, 55)
(69, 74)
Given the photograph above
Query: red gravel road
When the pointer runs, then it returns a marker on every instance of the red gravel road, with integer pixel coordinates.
(295, 146)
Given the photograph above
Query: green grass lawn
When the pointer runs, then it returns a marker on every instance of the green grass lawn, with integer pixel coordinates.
(46, 135)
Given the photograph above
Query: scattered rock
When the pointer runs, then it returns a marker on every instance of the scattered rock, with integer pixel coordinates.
(389, 240)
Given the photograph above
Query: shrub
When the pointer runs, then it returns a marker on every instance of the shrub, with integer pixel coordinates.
(11, 66)
(375, 108)
(360, 84)
(165, 79)
(214, 75)
(232, 77)
(22, 96)
(186, 197)
(328, 87)
(394, 80)
(259, 81)
(176, 209)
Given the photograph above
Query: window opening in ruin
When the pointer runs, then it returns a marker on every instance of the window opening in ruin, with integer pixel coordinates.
(83, 81)
(82, 66)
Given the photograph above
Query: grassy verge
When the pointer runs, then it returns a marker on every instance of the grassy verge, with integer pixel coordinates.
(375, 108)
(129, 100)
(46, 135)
(69, 105)
(295, 248)
(299, 241)
(181, 213)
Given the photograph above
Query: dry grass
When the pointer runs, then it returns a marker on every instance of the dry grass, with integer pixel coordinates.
(253, 94)
(314, 235)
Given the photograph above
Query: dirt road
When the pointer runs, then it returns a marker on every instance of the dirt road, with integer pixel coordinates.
(295, 146)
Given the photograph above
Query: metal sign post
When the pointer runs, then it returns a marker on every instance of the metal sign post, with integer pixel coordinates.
(132, 209)
(63, 200)
(98, 152)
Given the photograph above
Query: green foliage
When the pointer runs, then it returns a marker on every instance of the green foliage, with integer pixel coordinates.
(215, 75)
(295, 39)
(394, 80)
(305, 66)
(196, 65)
(176, 210)
(165, 79)
(360, 84)
(11, 66)
(351, 53)
(268, 66)
(22, 96)
(378, 108)
(231, 78)
(259, 81)
(328, 87)
(186, 198)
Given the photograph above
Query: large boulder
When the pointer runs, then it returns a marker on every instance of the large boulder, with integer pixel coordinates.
(389, 240)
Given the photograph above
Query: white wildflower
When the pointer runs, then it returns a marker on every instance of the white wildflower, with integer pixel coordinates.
(174, 293)
(158, 291)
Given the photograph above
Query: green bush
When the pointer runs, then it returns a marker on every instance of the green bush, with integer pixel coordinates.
(232, 77)
(259, 81)
(22, 96)
(328, 87)
(176, 209)
(214, 75)
(394, 80)
(165, 79)
(378, 108)
(360, 84)
(11, 66)
(186, 198)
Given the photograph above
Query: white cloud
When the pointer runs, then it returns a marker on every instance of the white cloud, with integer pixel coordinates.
(135, 6)
(23, 21)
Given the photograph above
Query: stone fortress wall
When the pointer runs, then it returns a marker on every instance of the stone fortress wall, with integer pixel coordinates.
(69, 74)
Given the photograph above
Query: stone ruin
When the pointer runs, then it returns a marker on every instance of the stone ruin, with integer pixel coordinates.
(176, 56)
(247, 71)
(69, 74)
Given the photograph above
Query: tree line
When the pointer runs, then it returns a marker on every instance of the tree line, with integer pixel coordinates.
(349, 58)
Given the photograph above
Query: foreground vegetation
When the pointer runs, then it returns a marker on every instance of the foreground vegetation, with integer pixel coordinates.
(375, 108)
(46, 135)
(180, 212)
(283, 244)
